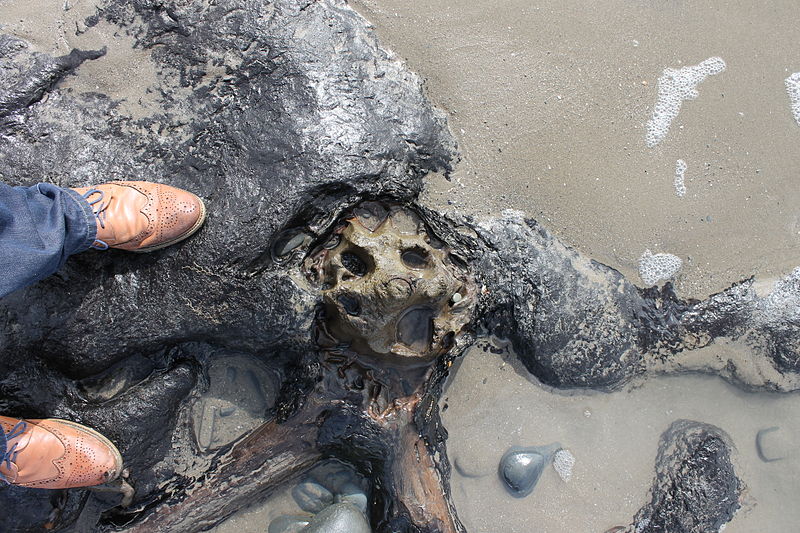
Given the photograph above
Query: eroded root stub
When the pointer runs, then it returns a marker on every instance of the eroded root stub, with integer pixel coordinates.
(389, 286)
(391, 293)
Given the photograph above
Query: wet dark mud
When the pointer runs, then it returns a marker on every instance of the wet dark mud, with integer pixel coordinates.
(577, 323)
(293, 125)
(696, 488)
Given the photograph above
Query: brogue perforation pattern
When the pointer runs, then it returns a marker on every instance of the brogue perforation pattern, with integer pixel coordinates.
(168, 215)
(79, 457)
(84, 468)
(149, 211)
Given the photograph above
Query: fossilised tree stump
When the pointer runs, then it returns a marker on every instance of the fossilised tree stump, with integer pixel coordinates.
(283, 115)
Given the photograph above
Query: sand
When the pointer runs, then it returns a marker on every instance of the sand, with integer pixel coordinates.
(493, 404)
(126, 71)
(549, 101)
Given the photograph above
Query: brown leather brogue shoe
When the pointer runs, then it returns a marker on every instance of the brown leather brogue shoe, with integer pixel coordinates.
(141, 216)
(55, 454)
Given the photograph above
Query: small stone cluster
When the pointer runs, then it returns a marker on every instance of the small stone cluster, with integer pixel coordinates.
(333, 500)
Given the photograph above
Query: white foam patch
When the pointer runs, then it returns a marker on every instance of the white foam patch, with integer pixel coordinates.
(680, 170)
(658, 267)
(781, 307)
(793, 89)
(675, 86)
(563, 461)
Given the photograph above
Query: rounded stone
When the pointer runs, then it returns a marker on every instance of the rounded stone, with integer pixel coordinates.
(288, 524)
(339, 518)
(287, 244)
(339, 479)
(520, 469)
(399, 289)
(312, 497)
(352, 494)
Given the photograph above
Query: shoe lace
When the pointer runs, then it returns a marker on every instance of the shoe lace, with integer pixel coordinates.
(8, 456)
(99, 213)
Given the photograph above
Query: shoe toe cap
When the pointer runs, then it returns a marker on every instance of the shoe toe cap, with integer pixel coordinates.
(180, 211)
(93, 462)
(78, 456)
(179, 214)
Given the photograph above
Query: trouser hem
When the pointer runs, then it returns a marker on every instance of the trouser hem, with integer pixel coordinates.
(91, 224)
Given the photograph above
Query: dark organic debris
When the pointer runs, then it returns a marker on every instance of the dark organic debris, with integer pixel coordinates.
(695, 489)
(273, 157)
(367, 408)
(576, 323)
(45, 72)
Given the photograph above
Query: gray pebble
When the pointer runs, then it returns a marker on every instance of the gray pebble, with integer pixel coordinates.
(339, 518)
(291, 244)
(520, 469)
(352, 494)
(338, 479)
(288, 524)
(312, 497)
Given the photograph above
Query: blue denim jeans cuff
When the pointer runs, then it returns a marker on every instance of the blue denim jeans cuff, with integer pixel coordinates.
(84, 240)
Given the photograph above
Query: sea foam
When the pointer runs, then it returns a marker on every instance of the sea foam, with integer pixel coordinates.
(563, 461)
(793, 89)
(658, 267)
(680, 170)
(675, 86)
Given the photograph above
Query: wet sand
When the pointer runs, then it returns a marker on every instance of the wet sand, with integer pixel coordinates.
(549, 104)
(126, 72)
(549, 101)
(493, 404)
